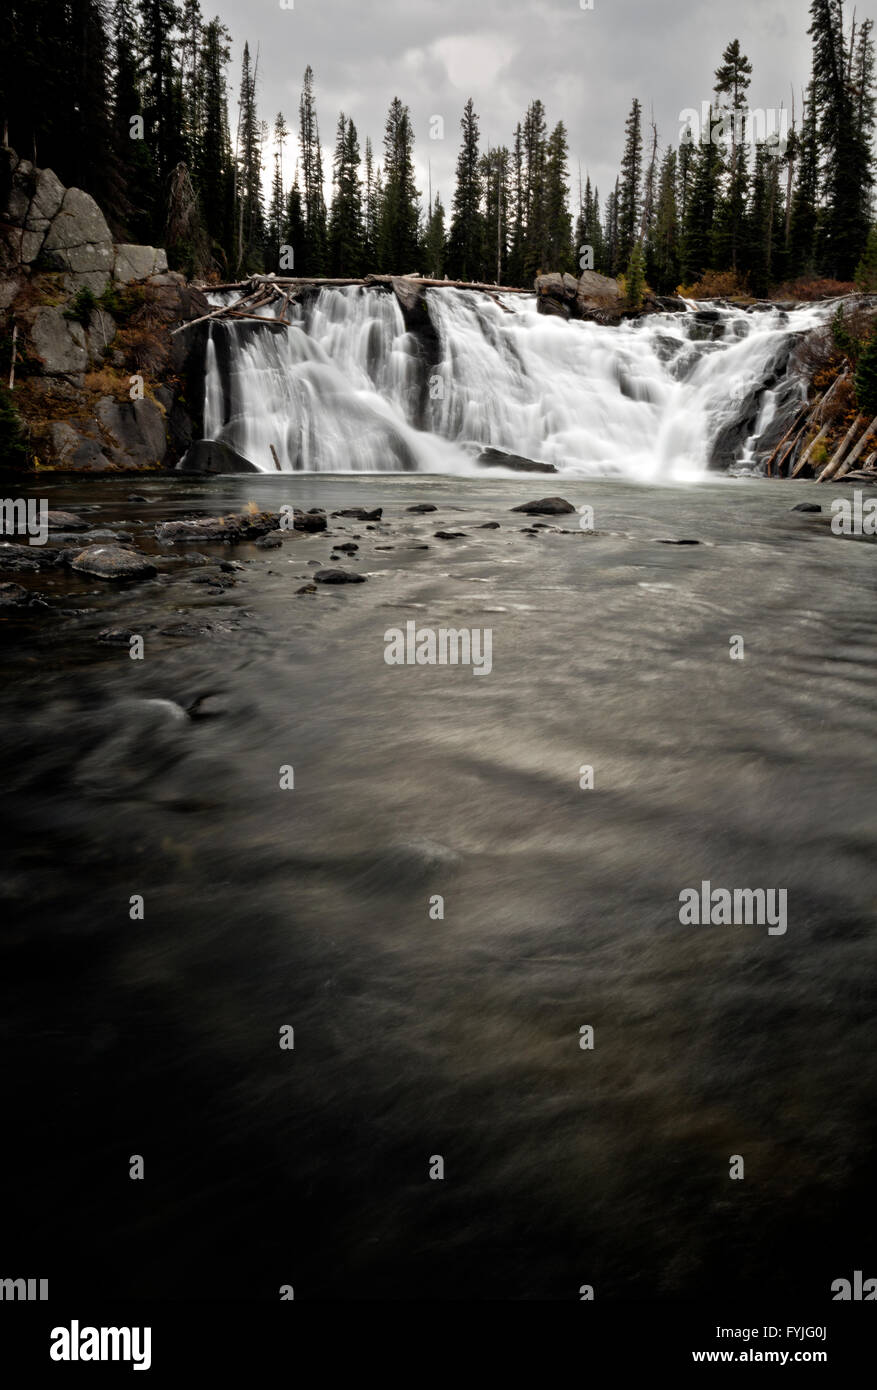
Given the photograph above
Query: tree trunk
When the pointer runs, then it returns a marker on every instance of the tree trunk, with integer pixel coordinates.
(845, 467)
(834, 462)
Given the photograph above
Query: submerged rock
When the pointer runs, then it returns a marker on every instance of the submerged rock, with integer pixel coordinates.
(806, 507)
(310, 521)
(112, 562)
(337, 577)
(237, 526)
(498, 458)
(421, 508)
(12, 595)
(449, 535)
(361, 514)
(65, 521)
(546, 506)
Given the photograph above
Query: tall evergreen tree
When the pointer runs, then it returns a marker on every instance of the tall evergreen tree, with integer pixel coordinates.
(696, 256)
(346, 232)
(214, 166)
(249, 210)
(371, 210)
(804, 220)
(732, 79)
(465, 255)
(557, 252)
(398, 240)
(629, 185)
(534, 137)
(314, 253)
(765, 221)
(495, 167)
(516, 249)
(845, 118)
(663, 247)
(277, 205)
(434, 241)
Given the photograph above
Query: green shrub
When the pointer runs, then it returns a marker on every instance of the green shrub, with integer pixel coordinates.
(13, 441)
(866, 376)
(82, 307)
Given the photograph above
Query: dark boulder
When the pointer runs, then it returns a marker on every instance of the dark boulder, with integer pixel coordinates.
(546, 506)
(338, 577)
(213, 456)
(518, 463)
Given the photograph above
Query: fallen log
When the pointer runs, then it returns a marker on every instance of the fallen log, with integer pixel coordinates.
(789, 454)
(834, 462)
(304, 281)
(845, 467)
(805, 457)
(797, 420)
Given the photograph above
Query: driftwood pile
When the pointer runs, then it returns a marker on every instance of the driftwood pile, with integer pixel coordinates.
(263, 290)
(785, 461)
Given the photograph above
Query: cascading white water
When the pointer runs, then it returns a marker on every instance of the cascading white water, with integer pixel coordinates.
(347, 388)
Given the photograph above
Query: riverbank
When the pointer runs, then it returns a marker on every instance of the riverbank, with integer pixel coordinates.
(312, 905)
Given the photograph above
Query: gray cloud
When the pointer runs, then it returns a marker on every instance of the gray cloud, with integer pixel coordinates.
(585, 65)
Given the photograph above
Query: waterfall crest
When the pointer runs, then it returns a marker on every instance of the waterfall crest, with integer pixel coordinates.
(347, 388)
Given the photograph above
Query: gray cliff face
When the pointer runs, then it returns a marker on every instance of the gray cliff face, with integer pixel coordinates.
(100, 383)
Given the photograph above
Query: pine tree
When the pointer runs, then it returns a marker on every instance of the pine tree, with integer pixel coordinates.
(866, 270)
(535, 222)
(294, 225)
(696, 251)
(663, 246)
(277, 205)
(162, 93)
(214, 167)
(635, 278)
(558, 249)
(434, 241)
(249, 211)
(765, 221)
(314, 253)
(628, 204)
(610, 232)
(497, 200)
(466, 236)
(842, 87)
(732, 78)
(516, 248)
(866, 377)
(346, 232)
(398, 241)
(132, 151)
(804, 219)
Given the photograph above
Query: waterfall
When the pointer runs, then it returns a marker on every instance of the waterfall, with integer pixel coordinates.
(349, 388)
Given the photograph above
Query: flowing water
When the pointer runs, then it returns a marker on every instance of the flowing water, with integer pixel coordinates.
(348, 388)
(416, 1037)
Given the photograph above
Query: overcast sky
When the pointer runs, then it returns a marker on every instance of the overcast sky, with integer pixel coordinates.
(585, 64)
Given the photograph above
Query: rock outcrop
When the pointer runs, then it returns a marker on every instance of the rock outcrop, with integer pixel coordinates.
(596, 298)
(100, 383)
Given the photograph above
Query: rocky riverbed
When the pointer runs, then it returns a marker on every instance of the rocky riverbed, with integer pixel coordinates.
(156, 772)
